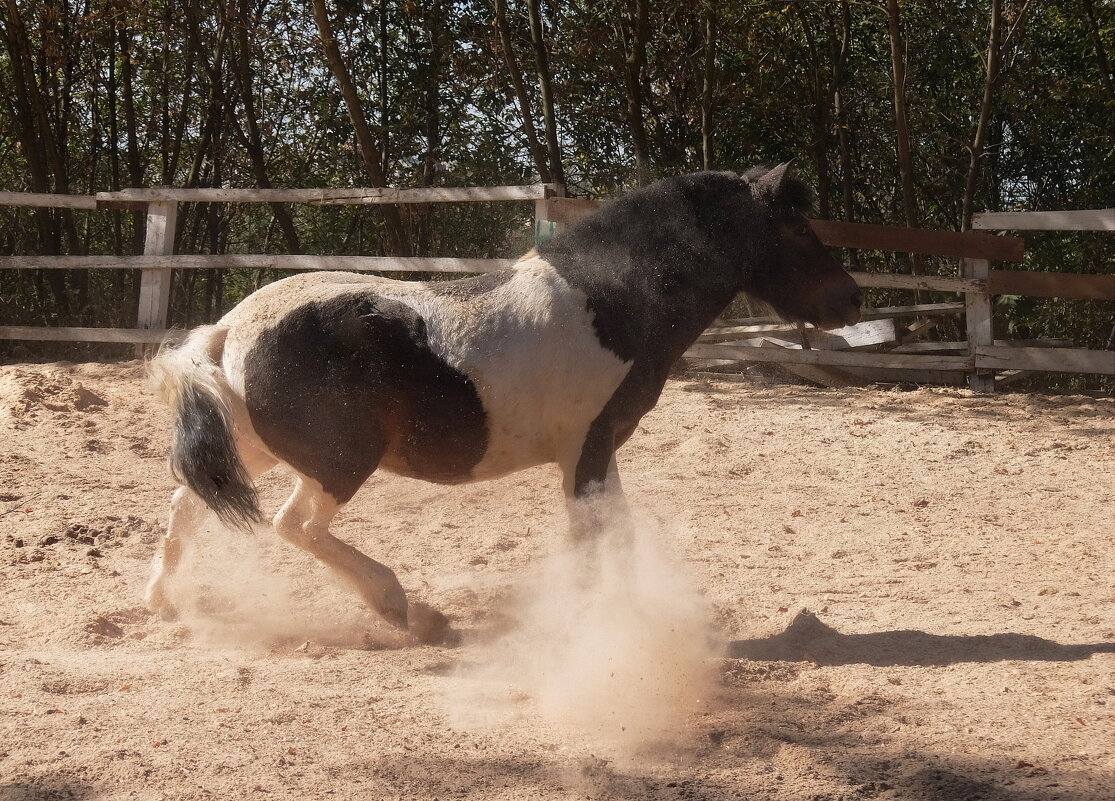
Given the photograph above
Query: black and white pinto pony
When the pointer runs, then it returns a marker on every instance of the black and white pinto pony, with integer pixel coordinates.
(555, 360)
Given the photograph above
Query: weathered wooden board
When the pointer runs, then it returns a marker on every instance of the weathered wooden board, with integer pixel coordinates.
(40, 200)
(355, 196)
(139, 336)
(1056, 360)
(154, 283)
(1077, 286)
(885, 375)
(860, 335)
(567, 210)
(872, 332)
(837, 358)
(878, 313)
(1083, 220)
(956, 244)
(954, 347)
(936, 283)
(815, 373)
(257, 261)
(978, 314)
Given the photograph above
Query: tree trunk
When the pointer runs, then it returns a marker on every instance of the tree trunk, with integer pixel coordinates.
(819, 115)
(979, 140)
(634, 59)
(542, 65)
(536, 148)
(365, 143)
(36, 141)
(131, 158)
(252, 140)
(708, 88)
(902, 130)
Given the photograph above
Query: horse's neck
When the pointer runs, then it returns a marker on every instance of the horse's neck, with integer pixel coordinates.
(686, 316)
(649, 313)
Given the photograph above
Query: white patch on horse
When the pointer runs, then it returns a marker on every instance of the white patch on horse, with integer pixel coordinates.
(531, 351)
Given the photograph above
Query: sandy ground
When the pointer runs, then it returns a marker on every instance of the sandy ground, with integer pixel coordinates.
(909, 596)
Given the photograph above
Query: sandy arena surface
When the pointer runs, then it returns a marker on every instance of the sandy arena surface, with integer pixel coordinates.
(908, 595)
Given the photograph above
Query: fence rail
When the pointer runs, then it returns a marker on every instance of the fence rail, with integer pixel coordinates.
(977, 283)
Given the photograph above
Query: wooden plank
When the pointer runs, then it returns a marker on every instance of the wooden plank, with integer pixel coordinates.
(871, 332)
(815, 373)
(836, 358)
(567, 210)
(233, 261)
(917, 328)
(880, 312)
(730, 332)
(1083, 220)
(154, 282)
(355, 196)
(957, 244)
(884, 375)
(141, 336)
(1077, 286)
(962, 347)
(936, 283)
(860, 335)
(1008, 377)
(978, 323)
(921, 310)
(1055, 360)
(39, 200)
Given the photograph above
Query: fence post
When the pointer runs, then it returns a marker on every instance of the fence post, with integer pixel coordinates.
(546, 222)
(154, 283)
(978, 319)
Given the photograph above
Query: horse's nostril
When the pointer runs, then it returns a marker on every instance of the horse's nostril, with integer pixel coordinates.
(857, 298)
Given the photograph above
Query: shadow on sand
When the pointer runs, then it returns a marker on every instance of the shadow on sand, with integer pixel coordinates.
(808, 639)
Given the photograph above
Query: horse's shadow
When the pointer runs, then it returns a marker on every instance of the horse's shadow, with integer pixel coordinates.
(807, 639)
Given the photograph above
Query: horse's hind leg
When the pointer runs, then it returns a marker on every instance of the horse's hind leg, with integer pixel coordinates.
(304, 521)
(187, 513)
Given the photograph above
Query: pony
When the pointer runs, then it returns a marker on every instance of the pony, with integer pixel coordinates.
(554, 360)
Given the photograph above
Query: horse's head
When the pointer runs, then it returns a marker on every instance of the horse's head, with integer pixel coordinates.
(795, 273)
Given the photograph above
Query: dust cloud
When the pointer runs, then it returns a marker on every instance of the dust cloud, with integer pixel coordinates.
(610, 642)
(237, 590)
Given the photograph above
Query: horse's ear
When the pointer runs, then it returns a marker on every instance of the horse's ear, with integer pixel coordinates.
(786, 189)
(772, 182)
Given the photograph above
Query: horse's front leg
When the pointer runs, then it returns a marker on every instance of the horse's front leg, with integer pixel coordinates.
(593, 492)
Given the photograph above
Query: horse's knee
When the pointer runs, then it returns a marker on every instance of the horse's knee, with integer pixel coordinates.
(290, 525)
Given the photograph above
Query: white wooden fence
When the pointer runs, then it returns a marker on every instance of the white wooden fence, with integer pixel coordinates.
(976, 252)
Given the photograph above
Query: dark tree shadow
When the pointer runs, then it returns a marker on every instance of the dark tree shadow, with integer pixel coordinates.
(808, 639)
(46, 789)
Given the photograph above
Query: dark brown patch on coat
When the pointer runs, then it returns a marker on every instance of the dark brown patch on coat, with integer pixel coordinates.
(338, 386)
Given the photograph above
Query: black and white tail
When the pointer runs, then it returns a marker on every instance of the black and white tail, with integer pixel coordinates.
(203, 453)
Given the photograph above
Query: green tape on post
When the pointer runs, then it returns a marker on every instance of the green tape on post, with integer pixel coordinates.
(544, 230)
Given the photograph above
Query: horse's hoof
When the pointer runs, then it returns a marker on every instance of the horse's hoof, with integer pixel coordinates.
(429, 626)
(165, 610)
(158, 604)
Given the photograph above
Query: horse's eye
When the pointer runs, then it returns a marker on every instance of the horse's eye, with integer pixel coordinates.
(801, 228)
